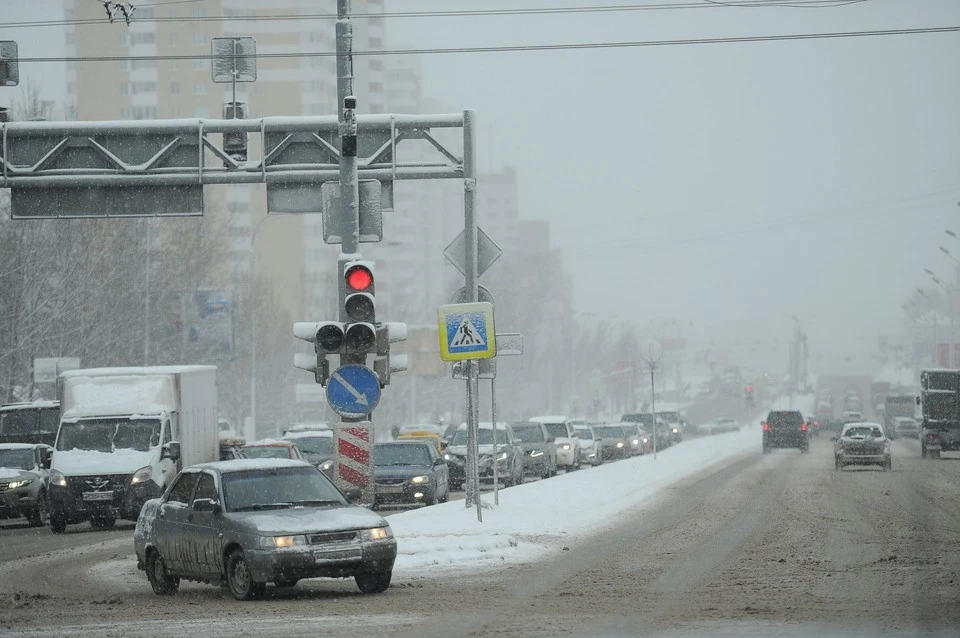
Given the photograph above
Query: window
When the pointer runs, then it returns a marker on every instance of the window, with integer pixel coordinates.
(182, 489)
(207, 487)
(200, 88)
(124, 88)
(199, 64)
(175, 87)
(199, 39)
(201, 111)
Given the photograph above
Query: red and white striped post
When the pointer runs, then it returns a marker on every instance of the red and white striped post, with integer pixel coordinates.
(353, 458)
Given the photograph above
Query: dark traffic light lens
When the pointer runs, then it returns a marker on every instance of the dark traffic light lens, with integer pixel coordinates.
(330, 338)
(359, 278)
(359, 307)
(360, 338)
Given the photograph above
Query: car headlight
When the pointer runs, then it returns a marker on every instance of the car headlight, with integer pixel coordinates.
(376, 533)
(417, 480)
(675, 430)
(566, 446)
(141, 475)
(536, 453)
(57, 478)
(619, 443)
(645, 440)
(22, 483)
(326, 466)
(280, 542)
(636, 441)
(503, 456)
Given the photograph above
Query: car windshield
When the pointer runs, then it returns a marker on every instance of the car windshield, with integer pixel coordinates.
(528, 433)
(13, 422)
(277, 488)
(17, 459)
(320, 445)
(669, 417)
(861, 432)
(583, 433)
(485, 437)
(108, 435)
(610, 431)
(400, 454)
(266, 452)
(556, 430)
(644, 419)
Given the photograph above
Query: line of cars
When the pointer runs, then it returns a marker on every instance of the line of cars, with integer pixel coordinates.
(858, 443)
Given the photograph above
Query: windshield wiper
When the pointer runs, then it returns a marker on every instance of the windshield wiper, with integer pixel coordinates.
(263, 506)
(319, 501)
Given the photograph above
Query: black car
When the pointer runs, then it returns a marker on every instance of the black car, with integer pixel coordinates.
(539, 452)
(785, 428)
(409, 472)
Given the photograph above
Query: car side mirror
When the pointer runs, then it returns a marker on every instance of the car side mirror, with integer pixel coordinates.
(45, 462)
(206, 505)
(353, 494)
(171, 451)
(443, 445)
(918, 400)
(439, 461)
(551, 439)
(834, 438)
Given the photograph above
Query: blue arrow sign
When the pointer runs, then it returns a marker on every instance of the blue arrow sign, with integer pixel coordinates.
(353, 391)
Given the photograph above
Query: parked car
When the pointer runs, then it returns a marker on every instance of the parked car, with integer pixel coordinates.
(905, 427)
(23, 481)
(409, 472)
(560, 428)
(720, 425)
(539, 450)
(273, 449)
(509, 455)
(248, 522)
(613, 441)
(591, 445)
(785, 428)
(316, 446)
(862, 444)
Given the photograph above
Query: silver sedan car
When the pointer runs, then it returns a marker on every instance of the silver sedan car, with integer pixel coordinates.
(248, 522)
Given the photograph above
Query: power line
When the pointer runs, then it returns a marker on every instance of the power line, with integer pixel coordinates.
(699, 4)
(529, 47)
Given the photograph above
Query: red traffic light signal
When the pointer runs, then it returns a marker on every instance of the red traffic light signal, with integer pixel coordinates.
(358, 278)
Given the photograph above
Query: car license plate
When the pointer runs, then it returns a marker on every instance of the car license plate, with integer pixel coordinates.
(390, 489)
(351, 553)
(98, 496)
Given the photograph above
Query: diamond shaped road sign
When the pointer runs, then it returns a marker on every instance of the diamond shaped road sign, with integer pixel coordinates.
(487, 252)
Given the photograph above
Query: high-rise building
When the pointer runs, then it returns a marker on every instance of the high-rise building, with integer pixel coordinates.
(298, 77)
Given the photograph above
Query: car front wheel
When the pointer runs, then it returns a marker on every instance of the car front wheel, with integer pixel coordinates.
(38, 516)
(374, 582)
(240, 579)
(163, 583)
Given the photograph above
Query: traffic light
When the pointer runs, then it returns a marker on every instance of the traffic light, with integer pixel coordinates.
(360, 335)
(327, 338)
(385, 363)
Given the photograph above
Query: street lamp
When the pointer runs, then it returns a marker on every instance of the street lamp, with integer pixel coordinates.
(946, 290)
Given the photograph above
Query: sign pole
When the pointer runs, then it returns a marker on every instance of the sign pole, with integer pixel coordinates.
(652, 351)
(653, 408)
(496, 461)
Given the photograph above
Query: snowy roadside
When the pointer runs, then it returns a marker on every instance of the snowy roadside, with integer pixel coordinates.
(537, 518)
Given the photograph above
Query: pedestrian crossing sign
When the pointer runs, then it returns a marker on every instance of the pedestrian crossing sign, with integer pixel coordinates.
(466, 331)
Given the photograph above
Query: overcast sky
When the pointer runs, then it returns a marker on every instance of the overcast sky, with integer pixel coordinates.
(731, 185)
(727, 186)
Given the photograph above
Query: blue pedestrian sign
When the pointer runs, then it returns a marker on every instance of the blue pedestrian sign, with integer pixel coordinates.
(353, 391)
(466, 331)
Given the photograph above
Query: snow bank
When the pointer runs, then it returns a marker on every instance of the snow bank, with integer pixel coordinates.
(536, 518)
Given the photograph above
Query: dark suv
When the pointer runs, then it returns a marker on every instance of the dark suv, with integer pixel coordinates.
(785, 428)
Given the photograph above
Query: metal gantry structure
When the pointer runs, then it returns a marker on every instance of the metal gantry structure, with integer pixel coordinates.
(342, 166)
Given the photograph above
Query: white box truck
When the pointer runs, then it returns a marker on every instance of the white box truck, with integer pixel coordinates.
(123, 435)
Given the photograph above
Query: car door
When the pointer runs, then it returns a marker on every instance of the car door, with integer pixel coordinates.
(169, 530)
(440, 471)
(203, 533)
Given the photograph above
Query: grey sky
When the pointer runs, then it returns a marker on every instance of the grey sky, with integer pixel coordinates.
(726, 186)
(721, 183)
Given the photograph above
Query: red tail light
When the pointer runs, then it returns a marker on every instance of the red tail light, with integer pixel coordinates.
(803, 427)
(816, 424)
(766, 427)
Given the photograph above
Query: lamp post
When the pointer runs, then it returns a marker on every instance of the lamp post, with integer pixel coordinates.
(946, 291)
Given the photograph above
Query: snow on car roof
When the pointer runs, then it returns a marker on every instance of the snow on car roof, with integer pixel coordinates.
(548, 419)
(24, 405)
(485, 425)
(305, 434)
(21, 446)
(269, 442)
(134, 371)
(239, 465)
